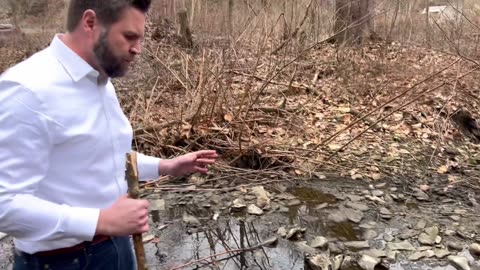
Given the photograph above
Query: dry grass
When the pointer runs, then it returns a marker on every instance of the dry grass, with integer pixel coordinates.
(262, 110)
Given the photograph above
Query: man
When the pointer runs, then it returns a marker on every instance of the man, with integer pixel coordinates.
(63, 140)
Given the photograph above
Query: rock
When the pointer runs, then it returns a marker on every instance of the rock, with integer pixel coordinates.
(335, 248)
(381, 185)
(337, 216)
(376, 253)
(352, 215)
(337, 262)
(303, 247)
(319, 262)
(370, 234)
(433, 231)
(190, 220)
(460, 262)
(294, 233)
(449, 232)
(357, 244)
(385, 213)
(375, 199)
(388, 238)
(417, 256)
(420, 195)
(238, 205)
(377, 193)
(441, 253)
(321, 206)
(474, 249)
(347, 263)
(368, 262)
(283, 209)
(426, 239)
(355, 198)
(263, 199)
(392, 255)
(454, 246)
(282, 232)
(438, 239)
(421, 224)
(455, 218)
(270, 242)
(405, 245)
(158, 205)
(319, 242)
(357, 206)
(369, 225)
(407, 234)
(294, 202)
(254, 210)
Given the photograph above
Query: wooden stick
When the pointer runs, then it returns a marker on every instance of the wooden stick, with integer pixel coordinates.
(133, 192)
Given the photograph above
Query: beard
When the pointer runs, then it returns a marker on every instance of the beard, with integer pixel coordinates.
(108, 61)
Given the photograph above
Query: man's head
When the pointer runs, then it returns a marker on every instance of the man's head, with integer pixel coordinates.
(111, 30)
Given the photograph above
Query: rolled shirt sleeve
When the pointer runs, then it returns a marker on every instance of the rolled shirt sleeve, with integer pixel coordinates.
(25, 145)
(147, 167)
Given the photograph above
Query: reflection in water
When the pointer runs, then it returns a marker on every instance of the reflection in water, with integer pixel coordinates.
(221, 245)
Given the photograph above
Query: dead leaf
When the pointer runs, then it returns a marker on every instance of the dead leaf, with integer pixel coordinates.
(442, 169)
(334, 147)
(357, 176)
(298, 172)
(228, 117)
(452, 179)
(424, 188)
(376, 176)
(344, 109)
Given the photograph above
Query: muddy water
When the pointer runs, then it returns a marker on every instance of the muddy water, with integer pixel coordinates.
(240, 232)
(216, 244)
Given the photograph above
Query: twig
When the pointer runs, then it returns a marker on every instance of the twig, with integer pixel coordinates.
(134, 193)
(400, 107)
(292, 84)
(294, 34)
(240, 250)
(329, 139)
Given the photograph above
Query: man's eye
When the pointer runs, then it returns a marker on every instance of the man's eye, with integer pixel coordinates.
(131, 37)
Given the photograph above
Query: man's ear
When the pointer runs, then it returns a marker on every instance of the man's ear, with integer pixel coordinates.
(89, 20)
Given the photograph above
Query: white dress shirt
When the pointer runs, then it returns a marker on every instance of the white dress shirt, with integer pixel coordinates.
(63, 141)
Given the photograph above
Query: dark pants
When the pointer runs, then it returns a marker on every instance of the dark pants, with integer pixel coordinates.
(114, 254)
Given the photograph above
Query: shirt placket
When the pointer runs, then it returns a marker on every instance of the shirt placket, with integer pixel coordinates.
(115, 146)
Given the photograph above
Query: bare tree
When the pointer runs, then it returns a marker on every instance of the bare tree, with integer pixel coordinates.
(353, 20)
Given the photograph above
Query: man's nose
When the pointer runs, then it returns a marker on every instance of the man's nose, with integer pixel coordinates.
(136, 49)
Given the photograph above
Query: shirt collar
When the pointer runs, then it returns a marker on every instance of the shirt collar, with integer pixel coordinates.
(75, 66)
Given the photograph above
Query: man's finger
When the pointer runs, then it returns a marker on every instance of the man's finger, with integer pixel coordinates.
(205, 161)
(200, 169)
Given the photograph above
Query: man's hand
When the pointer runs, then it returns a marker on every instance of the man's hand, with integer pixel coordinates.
(125, 217)
(188, 163)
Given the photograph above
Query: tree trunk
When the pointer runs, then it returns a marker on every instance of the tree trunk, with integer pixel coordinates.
(353, 20)
(230, 18)
(185, 31)
(427, 22)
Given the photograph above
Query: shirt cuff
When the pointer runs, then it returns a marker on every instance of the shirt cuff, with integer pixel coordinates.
(81, 222)
(147, 167)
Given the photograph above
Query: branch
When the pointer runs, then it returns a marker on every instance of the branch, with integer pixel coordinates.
(134, 193)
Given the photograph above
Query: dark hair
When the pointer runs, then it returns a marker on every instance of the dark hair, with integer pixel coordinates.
(108, 11)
